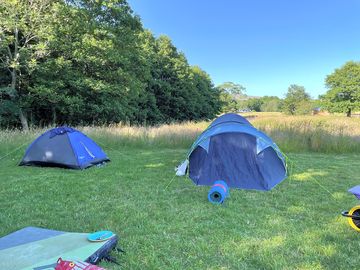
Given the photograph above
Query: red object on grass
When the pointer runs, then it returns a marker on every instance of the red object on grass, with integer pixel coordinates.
(75, 265)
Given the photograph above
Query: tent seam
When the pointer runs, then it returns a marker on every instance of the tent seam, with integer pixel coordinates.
(72, 149)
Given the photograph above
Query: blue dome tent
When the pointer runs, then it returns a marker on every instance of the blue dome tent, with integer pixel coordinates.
(64, 147)
(234, 151)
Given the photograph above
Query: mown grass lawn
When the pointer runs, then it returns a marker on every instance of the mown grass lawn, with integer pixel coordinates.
(295, 226)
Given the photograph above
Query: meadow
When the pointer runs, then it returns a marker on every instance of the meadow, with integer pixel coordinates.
(167, 223)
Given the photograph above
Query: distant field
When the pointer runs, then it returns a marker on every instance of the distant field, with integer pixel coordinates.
(295, 226)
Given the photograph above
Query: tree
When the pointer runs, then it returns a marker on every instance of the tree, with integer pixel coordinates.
(91, 62)
(95, 72)
(181, 92)
(24, 37)
(208, 104)
(343, 95)
(305, 107)
(271, 104)
(294, 97)
(254, 104)
(231, 95)
(233, 89)
(170, 80)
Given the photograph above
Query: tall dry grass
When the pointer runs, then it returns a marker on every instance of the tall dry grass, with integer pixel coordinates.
(171, 135)
(327, 134)
(115, 136)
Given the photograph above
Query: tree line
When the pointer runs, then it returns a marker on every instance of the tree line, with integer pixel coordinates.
(296, 101)
(234, 98)
(81, 62)
(92, 62)
(342, 96)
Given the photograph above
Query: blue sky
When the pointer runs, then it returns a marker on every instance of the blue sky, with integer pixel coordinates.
(263, 45)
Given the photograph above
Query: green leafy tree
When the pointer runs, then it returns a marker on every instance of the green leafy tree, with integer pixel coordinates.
(294, 97)
(24, 38)
(254, 104)
(181, 92)
(92, 62)
(305, 107)
(170, 81)
(271, 104)
(343, 95)
(97, 72)
(233, 89)
(205, 94)
(232, 96)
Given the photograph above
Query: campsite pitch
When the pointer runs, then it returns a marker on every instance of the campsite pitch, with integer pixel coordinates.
(295, 226)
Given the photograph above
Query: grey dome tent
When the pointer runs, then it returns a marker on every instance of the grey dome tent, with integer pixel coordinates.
(234, 151)
(64, 147)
